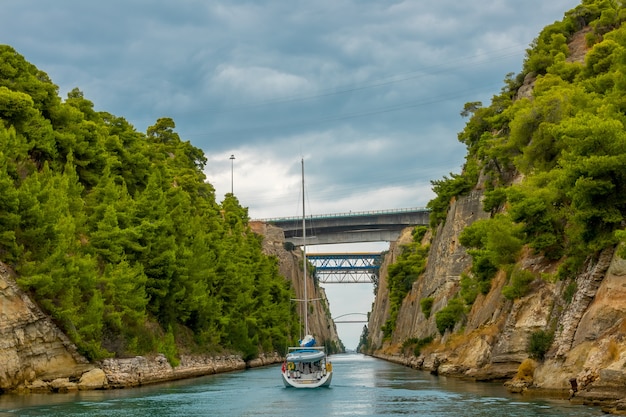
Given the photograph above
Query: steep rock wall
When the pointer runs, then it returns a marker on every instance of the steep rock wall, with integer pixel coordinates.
(36, 356)
(31, 346)
(290, 266)
(380, 309)
(587, 358)
(446, 261)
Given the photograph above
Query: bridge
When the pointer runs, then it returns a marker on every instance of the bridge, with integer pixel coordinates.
(352, 227)
(346, 268)
(335, 319)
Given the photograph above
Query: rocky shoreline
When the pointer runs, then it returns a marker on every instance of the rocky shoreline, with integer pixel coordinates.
(607, 390)
(142, 370)
(36, 356)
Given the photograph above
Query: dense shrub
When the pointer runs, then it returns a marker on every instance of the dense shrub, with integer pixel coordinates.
(569, 291)
(539, 343)
(519, 284)
(416, 344)
(402, 274)
(426, 305)
(470, 289)
(447, 317)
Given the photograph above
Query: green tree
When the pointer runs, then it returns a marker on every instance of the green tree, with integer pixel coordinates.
(118, 236)
(447, 317)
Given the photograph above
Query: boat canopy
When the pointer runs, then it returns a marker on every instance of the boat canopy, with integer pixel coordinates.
(305, 355)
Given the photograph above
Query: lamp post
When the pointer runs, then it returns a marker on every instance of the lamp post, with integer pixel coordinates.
(232, 172)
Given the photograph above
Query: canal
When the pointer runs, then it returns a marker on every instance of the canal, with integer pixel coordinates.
(362, 386)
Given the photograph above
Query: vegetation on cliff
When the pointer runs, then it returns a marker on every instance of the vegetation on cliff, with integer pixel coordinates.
(567, 141)
(403, 273)
(551, 161)
(118, 236)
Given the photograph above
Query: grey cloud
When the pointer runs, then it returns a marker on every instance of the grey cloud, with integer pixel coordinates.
(369, 91)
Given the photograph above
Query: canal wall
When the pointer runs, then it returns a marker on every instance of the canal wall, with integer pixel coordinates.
(32, 348)
(290, 266)
(586, 358)
(579, 322)
(36, 356)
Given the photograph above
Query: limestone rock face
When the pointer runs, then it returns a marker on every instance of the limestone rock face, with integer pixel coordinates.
(608, 305)
(446, 261)
(380, 310)
(31, 346)
(36, 356)
(94, 379)
(290, 266)
(587, 358)
(140, 370)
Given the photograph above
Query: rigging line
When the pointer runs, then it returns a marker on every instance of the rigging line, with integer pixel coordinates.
(330, 118)
(382, 82)
(313, 232)
(299, 208)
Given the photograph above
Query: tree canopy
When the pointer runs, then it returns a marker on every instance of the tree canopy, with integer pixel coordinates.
(566, 140)
(550, 158)
(118, 235)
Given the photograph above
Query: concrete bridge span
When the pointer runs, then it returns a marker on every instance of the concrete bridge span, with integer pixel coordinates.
(352, 227)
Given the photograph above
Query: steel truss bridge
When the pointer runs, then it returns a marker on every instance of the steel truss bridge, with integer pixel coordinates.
(346, 268)
(352, 227)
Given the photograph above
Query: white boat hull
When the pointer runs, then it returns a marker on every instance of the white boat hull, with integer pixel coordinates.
(306, 367)
(306, 381)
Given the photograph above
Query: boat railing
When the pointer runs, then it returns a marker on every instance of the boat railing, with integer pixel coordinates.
(305, 349)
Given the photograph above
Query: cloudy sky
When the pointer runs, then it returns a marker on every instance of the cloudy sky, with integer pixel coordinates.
(367, 92)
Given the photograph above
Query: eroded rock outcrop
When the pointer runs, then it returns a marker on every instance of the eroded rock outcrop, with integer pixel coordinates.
(32, 347)
(140, 370)
(290, 266)
(36, 356)
(589, 347)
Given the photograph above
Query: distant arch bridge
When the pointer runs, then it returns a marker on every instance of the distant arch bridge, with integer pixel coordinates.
(335, 319)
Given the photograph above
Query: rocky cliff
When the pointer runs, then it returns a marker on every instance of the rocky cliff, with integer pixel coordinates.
(586, 358)
(36, 356)
(290, 266)
(31, 346)
(587, 355)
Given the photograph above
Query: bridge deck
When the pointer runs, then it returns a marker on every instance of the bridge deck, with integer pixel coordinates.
(345, 214)
(352, 227)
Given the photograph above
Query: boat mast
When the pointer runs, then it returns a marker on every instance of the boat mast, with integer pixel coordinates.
(306, 304)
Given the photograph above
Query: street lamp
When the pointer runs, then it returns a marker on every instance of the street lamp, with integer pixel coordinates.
(232, 162)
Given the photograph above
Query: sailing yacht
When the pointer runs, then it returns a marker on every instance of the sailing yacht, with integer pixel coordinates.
(306, 365)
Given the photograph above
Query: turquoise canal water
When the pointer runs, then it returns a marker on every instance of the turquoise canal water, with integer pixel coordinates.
(362, 386)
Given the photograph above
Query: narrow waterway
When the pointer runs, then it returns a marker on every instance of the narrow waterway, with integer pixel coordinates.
(362, 386)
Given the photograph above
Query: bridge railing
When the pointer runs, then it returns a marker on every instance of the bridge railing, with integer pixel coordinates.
(345, 214)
